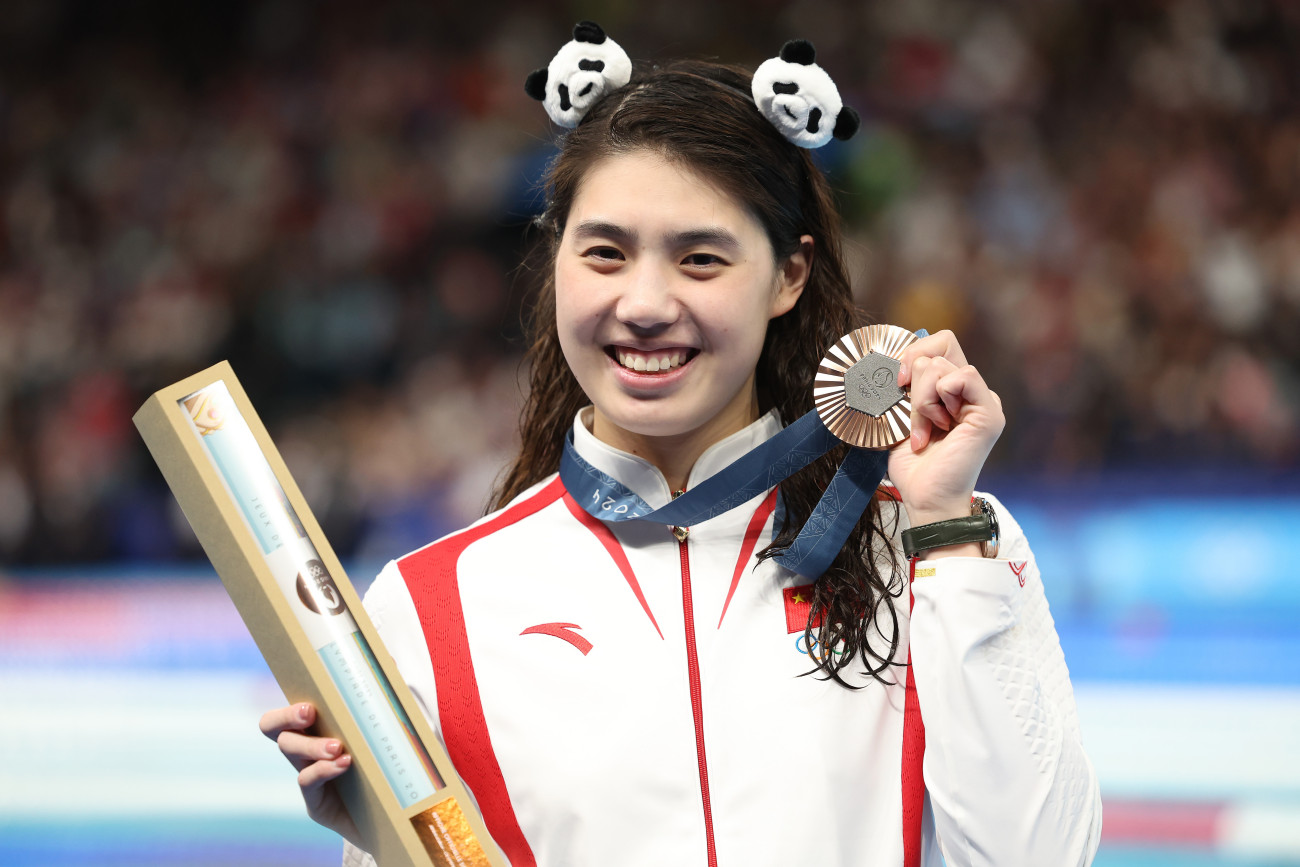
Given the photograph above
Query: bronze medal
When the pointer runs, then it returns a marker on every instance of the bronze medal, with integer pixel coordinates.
(856, 391)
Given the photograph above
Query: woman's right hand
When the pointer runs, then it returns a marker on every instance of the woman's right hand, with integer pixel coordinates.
(317, 760)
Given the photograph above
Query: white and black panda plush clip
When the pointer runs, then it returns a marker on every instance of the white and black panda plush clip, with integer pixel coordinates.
(581, 72)
(800, 99)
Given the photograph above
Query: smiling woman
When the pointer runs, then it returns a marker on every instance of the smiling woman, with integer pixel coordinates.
(664, 288)
(616, 691)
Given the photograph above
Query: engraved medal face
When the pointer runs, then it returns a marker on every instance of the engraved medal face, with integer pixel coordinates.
(871, 385)
(856, 391)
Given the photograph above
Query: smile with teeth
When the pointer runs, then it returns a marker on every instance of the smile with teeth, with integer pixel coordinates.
(652, 362)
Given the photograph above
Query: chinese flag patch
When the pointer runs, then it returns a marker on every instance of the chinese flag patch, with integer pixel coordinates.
(798, 602)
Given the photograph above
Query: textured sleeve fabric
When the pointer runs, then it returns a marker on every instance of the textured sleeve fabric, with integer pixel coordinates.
(1005, 770)
(354, 857)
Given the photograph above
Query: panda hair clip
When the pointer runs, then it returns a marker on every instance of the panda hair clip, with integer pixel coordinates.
(581, 72)
(799, 98)
(790, 90)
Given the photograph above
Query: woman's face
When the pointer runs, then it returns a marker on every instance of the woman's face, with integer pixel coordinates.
(664, 287)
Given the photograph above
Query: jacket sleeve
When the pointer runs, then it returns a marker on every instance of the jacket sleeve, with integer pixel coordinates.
(1007, 778)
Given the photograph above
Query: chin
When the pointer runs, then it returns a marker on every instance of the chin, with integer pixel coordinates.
(655, 422)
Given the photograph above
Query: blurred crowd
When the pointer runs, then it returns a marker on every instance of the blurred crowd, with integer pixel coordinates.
(1102, 198)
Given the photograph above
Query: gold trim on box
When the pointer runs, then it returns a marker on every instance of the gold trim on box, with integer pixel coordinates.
(447, 836)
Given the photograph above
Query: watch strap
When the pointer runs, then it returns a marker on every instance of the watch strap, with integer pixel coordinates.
(940, 534)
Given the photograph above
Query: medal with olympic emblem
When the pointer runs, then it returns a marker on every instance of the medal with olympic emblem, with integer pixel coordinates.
(856, 390)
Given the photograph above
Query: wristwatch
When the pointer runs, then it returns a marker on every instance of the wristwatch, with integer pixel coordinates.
(980, 526)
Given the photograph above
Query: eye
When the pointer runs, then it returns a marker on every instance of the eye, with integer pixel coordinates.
(604, 254)
(702, 260)
(603, 258)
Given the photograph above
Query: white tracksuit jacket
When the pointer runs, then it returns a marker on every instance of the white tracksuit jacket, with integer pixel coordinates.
(614, 697)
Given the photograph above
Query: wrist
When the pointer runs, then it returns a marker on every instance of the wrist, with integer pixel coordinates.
(921, 517)
(931, 510)
(974, 533)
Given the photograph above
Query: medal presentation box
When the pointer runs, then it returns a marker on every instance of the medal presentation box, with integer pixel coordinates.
(291, 591)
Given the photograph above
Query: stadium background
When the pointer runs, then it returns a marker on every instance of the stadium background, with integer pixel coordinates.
(1102, 198)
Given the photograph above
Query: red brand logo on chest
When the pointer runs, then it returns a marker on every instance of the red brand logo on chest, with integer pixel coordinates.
(563, 631)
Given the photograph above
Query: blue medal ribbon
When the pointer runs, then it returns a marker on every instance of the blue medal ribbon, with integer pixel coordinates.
(753, 473)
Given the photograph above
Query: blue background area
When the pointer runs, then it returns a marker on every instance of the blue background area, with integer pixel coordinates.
(1151, 583)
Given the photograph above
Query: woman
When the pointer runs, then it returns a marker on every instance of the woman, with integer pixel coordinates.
(632, 693)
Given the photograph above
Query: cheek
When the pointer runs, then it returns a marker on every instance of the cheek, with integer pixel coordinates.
(574, 317)
(746, 320)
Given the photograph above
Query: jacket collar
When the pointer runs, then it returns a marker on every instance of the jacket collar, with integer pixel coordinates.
(644, 479)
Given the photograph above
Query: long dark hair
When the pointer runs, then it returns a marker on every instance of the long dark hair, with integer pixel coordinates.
(701, 114)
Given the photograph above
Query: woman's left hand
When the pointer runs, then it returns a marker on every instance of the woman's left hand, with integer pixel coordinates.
(956, 418)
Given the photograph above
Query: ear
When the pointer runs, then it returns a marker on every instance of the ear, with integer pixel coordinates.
(535, 84)
(846, 124)
(588, 31)
(798, 51)
(793, 277)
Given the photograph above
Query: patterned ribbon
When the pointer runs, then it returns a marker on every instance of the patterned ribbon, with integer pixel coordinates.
(753, 473)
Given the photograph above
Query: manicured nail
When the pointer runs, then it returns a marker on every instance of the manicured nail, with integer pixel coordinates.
(304, 712)
(332, 749)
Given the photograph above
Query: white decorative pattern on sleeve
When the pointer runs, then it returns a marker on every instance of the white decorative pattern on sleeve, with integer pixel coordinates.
(354, 857)
(1029, 665)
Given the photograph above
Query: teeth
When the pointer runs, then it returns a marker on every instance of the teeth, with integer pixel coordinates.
(651, 364)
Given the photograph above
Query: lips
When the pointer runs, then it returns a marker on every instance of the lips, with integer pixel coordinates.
(651, 361)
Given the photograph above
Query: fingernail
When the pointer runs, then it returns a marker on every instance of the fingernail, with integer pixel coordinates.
(332, 749)
(902, 372)
(304, 711)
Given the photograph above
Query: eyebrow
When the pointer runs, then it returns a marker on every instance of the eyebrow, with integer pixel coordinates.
(705, 235)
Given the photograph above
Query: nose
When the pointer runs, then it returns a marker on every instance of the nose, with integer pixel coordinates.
(648, 302)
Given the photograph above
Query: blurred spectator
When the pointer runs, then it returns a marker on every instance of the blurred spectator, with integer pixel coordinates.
(1101, 197)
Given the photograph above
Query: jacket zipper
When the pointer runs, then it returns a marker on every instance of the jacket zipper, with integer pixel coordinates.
(697, 699)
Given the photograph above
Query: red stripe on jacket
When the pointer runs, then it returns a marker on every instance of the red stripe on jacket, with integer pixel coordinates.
(913, 789)
(605, 535)
(430, 575)
(750, 542)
